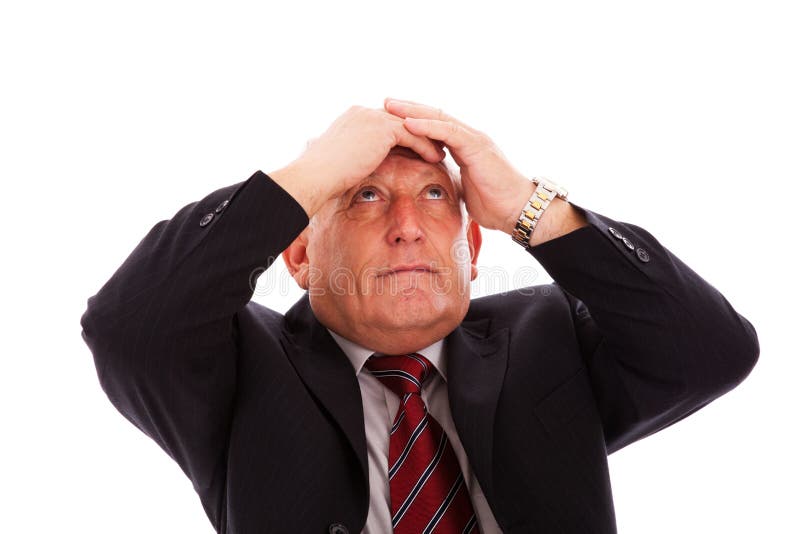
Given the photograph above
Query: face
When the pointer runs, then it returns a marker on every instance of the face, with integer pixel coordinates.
(388, 264)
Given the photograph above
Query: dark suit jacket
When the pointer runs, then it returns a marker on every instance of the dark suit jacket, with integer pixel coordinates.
(263, 412)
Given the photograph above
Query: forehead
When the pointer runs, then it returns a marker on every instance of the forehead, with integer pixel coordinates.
(400, 162)
(404, 162)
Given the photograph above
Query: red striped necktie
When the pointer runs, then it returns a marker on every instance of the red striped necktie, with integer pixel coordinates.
(428, 493)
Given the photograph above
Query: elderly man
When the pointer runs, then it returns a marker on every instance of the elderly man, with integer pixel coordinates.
(385, 400)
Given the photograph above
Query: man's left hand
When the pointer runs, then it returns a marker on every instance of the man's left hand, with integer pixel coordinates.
(494, 191)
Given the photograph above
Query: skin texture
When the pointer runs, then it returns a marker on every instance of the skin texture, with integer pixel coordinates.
(380, 200)
(408, 212)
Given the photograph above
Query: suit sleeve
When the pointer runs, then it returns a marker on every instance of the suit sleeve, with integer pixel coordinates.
(163, 328)
(659, 341)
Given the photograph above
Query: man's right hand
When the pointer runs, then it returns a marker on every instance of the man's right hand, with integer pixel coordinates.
(346, 153)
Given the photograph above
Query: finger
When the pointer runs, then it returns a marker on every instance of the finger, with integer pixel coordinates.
(423, 146)
(407, 108)
(451, 134)
(389, 99)
(429, 149)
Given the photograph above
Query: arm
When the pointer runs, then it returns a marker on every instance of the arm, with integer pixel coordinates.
(162, 329)
(658, 340)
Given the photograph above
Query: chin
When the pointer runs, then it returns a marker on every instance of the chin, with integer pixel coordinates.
(419, 310)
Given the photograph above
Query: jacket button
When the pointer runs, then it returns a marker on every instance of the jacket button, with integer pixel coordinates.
(628, 243)
(206, 219)
(222, 206)
(642, 255)
(615, 232)
(338, 528)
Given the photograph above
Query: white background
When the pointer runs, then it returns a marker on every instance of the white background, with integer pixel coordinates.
(681, 117)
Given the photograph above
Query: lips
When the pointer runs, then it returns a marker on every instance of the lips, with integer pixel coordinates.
(413, 267)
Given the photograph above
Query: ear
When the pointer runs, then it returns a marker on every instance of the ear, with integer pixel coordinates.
(296, 259)
(474, 238)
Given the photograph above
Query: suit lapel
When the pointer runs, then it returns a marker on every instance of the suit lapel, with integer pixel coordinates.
(476, 366)
(328, 374)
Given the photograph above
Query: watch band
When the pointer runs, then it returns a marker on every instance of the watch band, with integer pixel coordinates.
(545, 192)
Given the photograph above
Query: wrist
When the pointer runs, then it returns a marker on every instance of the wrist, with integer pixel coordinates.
(527, 189)
(546, 215)
(555, 221)
(300, 179)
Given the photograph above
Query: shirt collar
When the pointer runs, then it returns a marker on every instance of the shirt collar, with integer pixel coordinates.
(358, 354)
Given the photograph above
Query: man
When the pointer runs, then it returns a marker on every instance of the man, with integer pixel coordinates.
(385, 400)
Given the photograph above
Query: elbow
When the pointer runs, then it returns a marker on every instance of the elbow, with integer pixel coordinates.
(89, 324)
(93, 324)
(92, 329)
(737, 352)
(749, 350)
(98, 331)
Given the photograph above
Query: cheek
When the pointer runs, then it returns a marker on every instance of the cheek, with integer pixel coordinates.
(451, 244)
(456, 255)
(332, 265)
(459, 252)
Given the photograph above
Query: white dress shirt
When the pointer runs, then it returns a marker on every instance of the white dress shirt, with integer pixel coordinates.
(380, 406)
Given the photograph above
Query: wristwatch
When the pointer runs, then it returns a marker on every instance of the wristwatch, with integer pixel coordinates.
(546, 190)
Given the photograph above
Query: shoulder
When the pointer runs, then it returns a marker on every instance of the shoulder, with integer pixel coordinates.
(521, 305)
(255, 317)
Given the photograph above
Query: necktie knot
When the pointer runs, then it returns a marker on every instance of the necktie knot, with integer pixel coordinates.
(405, 373)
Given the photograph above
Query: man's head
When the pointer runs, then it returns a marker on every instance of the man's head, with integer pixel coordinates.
(388, 263)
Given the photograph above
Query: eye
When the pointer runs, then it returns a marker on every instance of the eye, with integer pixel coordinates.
(366, 195)
(436, 192)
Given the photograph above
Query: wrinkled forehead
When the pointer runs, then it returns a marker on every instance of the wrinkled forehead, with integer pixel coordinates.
(440, 166)
(410, 154)
(446, 169)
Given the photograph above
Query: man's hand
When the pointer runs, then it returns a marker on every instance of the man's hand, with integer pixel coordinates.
(494, 191)
(346, 153)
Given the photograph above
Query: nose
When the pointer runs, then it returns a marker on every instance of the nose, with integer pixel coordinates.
(404, 220)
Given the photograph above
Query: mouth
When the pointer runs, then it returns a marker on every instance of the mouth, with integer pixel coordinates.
(409, 268)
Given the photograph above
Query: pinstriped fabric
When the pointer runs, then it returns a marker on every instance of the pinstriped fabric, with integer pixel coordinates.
(427, 489)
